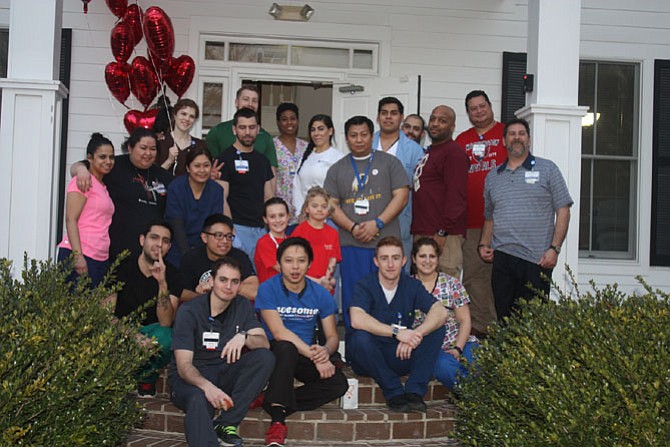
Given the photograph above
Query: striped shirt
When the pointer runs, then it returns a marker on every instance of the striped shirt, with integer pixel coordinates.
(522, 204)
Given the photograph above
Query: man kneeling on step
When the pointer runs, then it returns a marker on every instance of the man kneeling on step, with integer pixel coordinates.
(221, 359)
(380, 343)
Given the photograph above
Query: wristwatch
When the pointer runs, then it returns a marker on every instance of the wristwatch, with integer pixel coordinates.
(442, 233)
(557, 249)
(379, 223)
(394, 331)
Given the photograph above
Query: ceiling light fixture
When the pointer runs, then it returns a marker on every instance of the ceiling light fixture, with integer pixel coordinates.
(291, 13)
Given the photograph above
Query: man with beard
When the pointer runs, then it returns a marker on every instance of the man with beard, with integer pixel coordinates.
(483, 143)
(527, 212)
(440, 191)
(414, 127)
(146, 276)
(246, 177)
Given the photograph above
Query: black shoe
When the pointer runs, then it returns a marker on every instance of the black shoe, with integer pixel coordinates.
(398, 404)
(228, 435)
(415, 402)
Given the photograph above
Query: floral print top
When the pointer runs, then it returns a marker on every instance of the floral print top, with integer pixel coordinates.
(452, 294)
(287, 165)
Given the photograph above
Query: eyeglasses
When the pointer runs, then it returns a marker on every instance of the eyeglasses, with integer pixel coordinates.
(219, 236)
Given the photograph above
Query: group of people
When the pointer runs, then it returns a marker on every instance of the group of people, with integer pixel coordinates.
(238, 238)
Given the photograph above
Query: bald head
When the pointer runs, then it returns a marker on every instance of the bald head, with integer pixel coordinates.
(441, 124)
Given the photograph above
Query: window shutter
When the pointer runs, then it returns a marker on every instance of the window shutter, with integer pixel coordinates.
(513, 96)
(660, 199)
(64, 77)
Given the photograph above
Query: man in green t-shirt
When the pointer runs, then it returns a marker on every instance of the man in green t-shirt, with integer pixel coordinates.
(221, 136)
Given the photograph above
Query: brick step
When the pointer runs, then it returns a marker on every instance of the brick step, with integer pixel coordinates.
(369, 394)
(146, 438)
(325, 424)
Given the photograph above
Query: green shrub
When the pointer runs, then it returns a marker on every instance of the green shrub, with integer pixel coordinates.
(66, 370)
(594, 371)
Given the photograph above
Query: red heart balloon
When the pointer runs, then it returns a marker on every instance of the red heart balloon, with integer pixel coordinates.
(122, 41)
(133, 18)
(116, 77)
(118, 7)
(134, 118)
(180, 74)
(159, 32)
(143, 80)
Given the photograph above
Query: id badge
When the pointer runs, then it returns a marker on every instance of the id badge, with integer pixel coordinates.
(210, 340)
(362, 207)
(242, 166)
(479, 150)
(532, 177)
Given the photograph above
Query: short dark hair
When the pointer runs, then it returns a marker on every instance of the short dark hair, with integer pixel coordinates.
(216, 218)
(297, 242)
(391, 241)
(390, 100)
(358, 120)
(226, 260)
(182, 104)
(250, 87)
(474, 94)
(97, 140)
(274, 201)
(157, 223)
(284, 106)
(135, 136)
(414, 115)
(421, 242)
(516, 121)
(244, 112)
(192, 155)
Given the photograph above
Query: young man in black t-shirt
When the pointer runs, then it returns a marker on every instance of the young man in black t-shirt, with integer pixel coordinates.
(196, 267)
(146, 276)
(246, 177)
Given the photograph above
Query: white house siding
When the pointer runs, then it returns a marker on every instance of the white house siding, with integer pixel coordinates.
(455, 46)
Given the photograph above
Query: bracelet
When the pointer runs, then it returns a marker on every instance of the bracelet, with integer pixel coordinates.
(483, 245)
(456, 348)
(353, 226)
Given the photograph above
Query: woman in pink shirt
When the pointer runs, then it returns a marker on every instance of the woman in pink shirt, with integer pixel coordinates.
(88, 215)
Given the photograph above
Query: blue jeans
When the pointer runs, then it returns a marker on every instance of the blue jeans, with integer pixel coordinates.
(246, 239)
(448, 370)
(96, 269)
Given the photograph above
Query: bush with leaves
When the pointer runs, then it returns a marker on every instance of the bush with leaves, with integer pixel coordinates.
(591, 371)
(66, 371)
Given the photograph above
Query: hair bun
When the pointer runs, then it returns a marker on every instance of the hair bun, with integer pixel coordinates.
(97, 136)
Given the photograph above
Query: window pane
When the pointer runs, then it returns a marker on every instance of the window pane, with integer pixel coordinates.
(611, 205)
(261, 54)
(212, 105)
(585, 207)
(320, 57)
(363, 59)
(215, 51)
(587, 77)
(616, 107)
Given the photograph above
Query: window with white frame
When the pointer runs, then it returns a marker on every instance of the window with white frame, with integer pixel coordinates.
(608, 209)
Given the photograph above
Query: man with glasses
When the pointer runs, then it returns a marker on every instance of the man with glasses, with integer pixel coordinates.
(196, 266)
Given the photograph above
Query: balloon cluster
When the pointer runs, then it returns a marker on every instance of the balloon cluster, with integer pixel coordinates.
(144, 77)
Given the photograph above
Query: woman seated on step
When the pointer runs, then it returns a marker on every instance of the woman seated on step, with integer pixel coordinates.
(458, 343)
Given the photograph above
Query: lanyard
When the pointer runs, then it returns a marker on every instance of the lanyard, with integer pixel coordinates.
(274, 240)
(361, 181)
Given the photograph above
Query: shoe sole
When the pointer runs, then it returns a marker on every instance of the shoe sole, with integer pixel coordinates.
(228, 444)
(275, 444)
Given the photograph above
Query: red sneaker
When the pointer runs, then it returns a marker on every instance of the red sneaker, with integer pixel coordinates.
(276, 435)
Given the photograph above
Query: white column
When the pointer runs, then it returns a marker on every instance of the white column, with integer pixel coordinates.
(552, 110)
(30, 132)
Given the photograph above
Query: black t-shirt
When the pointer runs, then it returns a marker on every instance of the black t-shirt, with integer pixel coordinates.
(246, 197)
(138, 289)
(196, 267)
(193, 319)
(139, 196)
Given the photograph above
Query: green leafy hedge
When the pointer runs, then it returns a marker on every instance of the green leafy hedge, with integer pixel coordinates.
(594, 371)
(65, 370)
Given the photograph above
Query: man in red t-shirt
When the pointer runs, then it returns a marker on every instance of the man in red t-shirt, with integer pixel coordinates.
(483, 143)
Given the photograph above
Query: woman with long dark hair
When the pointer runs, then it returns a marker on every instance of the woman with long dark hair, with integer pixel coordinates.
(318, 157)
(174, 147)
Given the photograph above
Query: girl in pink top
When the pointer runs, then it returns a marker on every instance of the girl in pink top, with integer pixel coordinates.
(88, 215)
(322, 237)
